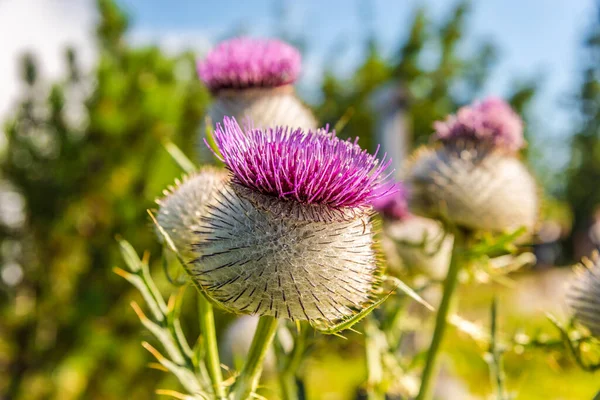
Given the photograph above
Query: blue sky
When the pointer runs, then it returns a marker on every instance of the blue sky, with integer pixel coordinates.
(536, 38)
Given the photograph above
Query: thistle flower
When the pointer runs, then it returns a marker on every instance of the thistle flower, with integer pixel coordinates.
(583, 295)
(252, 78)
(474, 179)
(421, 243)
(393, 206)
(291, 236)
(491, 120)
(244, 63)
(184, 204)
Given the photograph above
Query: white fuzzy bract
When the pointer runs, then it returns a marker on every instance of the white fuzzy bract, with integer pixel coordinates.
(181, 210)
(264, 107)
(256, 254)
(473, 187)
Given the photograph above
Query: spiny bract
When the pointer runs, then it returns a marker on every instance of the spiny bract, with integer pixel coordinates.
(183, 206)
(584, 294)
(472, 186)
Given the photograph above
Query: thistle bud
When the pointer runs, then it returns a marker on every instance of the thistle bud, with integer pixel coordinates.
(583, 295)
(183, 205)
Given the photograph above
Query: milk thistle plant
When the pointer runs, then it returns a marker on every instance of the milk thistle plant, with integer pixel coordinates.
(473, 181)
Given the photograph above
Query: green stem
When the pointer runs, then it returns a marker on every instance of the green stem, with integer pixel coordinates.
(374, 367)
(289, 389)
(288, 367)
(495, 353)
(431, 365)
(207, 328)
(247, 382)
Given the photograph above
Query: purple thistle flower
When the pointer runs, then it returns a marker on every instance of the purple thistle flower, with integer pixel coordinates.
(242, 63)
(310, 168)
(491, 120)
(393, 204)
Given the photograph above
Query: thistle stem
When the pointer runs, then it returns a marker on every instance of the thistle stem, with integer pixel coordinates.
(248, 380)
(207, 328)
(373, 358)
(495, 356)
(430, 371)
(288, 367)
(288, 387)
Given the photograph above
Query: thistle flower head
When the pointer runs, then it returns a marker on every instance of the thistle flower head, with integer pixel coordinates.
(183, 206)
(393, 205)
(472, 187)
(291, 235)
(583, 295)
(310, 168)
(491, 121)
(243, 63)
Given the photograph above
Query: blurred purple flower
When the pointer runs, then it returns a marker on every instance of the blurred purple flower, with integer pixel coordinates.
(393, 204)
(490, 120)
(311, 168)
(242, 63)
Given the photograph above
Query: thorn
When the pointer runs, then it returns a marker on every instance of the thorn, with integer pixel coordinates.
(157, 366)
(171, 303)
(172, 393)
(146, 257)
(121, 272)
(138, 311)
(153, 351)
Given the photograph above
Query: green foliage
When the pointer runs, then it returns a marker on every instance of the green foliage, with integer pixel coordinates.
(583, 175)
(87, 158)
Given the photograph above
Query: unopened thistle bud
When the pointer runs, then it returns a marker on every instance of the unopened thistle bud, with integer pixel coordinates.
(584, 294)
(473, 177)
(253, 78)
(421, 243)
(291, 236)
(181, 209)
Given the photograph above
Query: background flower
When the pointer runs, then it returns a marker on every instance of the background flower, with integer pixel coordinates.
(243, 63)
(584, 294)
(491, 121)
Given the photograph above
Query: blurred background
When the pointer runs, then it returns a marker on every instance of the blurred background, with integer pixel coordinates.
(89, 91)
